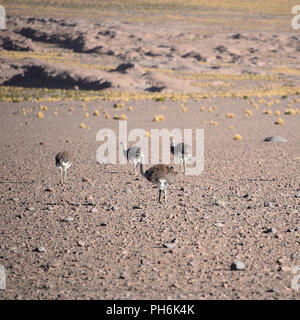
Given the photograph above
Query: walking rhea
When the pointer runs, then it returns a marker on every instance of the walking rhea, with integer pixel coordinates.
(63, 162)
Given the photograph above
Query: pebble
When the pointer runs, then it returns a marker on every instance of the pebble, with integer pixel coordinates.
(220, 203)
(114, 208)
(273, 229)
(30, 209)
(268, 204)
(285, 268)
(81, 243)
(67, 219)
(218, 224)
(89, 198)
(275, 139)
(40, 249)
(94, 210)
(237, 265)
(137, 207)
(169, 245)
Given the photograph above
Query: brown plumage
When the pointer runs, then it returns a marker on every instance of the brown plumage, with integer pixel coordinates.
(160, 175)
(63, 161)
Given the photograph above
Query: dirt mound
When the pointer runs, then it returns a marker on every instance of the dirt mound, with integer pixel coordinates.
(37, 74)
(9, 40)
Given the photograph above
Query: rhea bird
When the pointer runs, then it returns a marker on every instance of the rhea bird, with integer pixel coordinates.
(63, 161)
(133, 154)
(182, 151)
(160, 175)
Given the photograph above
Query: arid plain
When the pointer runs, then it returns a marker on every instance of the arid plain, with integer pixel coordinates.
(69, 70)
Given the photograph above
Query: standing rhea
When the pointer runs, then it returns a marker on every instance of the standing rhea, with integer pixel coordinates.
(182, 151)
(133, 154)
(63, 161)
(160, 175)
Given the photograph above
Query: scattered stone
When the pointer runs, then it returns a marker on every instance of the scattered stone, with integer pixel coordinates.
(237, 265)
(170, 245)
(220, 203)
(271, 230)
(285, 268)
(137, 207)
(89, 198)
(67, 219)
(81, 243)
(114, 208)
(30, 209)
(40, 249)
(268, 204)
(49, 189)
(275, 139)
(218, 224)
(123, 275)
(94, 210)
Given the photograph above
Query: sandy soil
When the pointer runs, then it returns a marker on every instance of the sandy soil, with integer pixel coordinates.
(102, 235)
(121, 254)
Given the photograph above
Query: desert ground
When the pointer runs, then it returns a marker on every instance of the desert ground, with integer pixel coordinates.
(67, 72)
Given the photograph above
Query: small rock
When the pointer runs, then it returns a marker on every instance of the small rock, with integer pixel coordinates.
(49, 189)
(114, 208)
(218, 224)
(275, 139)
(137, 207)
(89, 198)
(220, 203)
(81, 243)
(67, 219)
(285, 268)
(170, 245)
(237, 265)
(30, 209)
(273, 229)
(40, 249)
(268, 204)
(94, 210)
(123, 275)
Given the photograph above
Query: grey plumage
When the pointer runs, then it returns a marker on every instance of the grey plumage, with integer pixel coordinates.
(160, 175)
(182, 151)
(63, 162)
(133, 154)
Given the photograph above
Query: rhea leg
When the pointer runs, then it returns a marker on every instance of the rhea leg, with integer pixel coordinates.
(165, 194)
(135, 164)
(61, 174)
(65, 174)
(159, 195)
(184, 165)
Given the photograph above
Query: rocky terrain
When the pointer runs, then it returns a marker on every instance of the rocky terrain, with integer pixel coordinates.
(232, 232)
